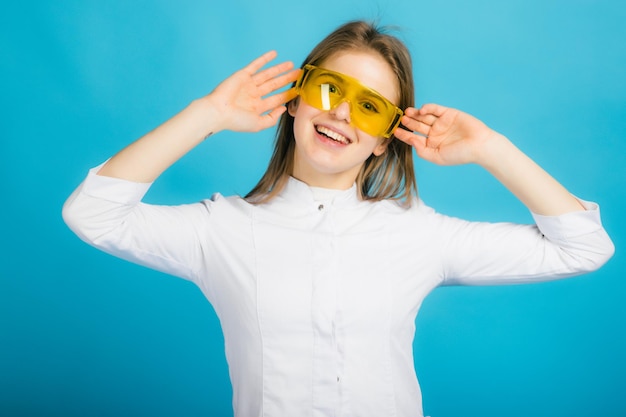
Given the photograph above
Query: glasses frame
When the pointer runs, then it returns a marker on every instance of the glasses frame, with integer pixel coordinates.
(394, 120)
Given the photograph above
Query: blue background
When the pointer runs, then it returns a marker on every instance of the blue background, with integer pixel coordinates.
(85, 334)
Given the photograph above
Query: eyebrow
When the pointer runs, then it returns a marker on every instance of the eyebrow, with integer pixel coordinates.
(370, 91)
(374, 96)
(334, 76)
(346, 78)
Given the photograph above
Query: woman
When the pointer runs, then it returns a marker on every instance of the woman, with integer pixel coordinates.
(318, 274)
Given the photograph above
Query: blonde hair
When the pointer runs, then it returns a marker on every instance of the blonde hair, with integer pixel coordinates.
(388, 176)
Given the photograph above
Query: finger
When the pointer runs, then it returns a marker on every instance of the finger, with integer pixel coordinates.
(271, 72)
(279, 82)
(410, 138)
(432, 108)
(423, 135)
(278, 100)
(259, 62)
(414, 113)
(271, 118)
(416, 125)
(427, 119)
(419, 143)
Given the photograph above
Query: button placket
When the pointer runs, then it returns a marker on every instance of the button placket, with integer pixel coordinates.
(325, 393)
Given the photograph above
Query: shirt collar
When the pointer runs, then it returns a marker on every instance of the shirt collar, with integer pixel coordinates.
(296, 191)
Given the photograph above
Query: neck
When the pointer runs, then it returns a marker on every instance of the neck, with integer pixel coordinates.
(343, 181)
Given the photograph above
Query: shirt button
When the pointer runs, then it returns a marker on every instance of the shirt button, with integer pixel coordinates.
(320, 207)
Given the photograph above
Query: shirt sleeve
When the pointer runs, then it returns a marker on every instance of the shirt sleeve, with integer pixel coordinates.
(108, 213)
(478, 253)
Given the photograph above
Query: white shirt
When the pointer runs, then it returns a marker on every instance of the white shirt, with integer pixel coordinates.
(318, 299)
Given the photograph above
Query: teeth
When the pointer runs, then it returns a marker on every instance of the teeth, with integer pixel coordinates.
(333, 135)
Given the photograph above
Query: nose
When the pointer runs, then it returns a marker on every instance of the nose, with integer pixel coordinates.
(342, 111)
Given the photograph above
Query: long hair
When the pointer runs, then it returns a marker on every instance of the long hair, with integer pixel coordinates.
(388, 176)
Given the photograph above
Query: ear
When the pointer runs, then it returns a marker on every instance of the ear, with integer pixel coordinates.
(292, 106)
(381, 148)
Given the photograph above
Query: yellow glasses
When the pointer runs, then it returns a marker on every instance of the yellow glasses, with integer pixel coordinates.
(369, 110)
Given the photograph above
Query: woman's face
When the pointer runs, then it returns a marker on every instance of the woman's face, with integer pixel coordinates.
(329, 149)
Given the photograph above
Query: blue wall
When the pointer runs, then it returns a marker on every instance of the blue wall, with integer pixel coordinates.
(85, 334)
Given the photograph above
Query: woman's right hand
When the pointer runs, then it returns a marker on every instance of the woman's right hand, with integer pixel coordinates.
(248, 100)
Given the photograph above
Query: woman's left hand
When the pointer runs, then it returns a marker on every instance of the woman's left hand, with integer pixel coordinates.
(445, 136)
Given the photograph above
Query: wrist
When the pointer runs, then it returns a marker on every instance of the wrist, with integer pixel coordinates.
(495, 151)
(206, 113)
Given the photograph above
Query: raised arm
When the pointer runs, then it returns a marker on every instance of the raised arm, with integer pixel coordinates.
(448, 136)
(247, 101)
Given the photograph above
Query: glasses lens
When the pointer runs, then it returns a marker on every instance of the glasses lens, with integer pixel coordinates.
(369, 111)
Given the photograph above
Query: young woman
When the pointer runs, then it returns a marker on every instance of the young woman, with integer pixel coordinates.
(318, 274)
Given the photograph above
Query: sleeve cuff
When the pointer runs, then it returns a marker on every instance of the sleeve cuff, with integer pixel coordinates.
(113, 189)
(569, 225)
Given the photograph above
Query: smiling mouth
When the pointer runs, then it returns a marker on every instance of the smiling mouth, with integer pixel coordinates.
(332, 135)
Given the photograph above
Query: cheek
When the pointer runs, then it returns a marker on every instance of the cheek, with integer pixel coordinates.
(300, 110)
(373, 144)
(302, 115)
(298, 125)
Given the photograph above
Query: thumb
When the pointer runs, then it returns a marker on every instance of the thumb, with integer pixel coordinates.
(270, 119)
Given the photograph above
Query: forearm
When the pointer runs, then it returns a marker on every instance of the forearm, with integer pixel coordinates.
(145, 159)
(532, 185)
